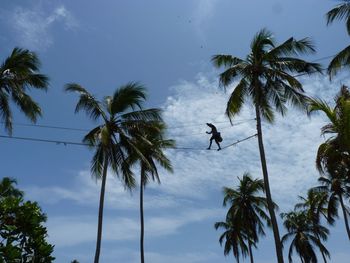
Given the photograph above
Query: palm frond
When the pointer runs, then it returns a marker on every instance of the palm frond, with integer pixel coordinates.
(338, 62)
(142, 116)
(130, 96)
(261, 41)
(86, 102)
(29, 107)
(236, 100)
(340, 12)
(5, 112)
(225, 60)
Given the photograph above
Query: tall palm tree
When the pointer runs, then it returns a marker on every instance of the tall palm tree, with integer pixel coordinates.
(151, 143)
(304, 236)
(342, 59)
(234, 238)
(248, 207)
(333, 160)
(18, 74)
(314, 206)
(111, 139)
(265, 78)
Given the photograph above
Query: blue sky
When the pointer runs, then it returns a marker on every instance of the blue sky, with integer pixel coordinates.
(167, 46)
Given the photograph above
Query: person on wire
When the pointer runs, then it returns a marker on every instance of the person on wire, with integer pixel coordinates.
(215, 135)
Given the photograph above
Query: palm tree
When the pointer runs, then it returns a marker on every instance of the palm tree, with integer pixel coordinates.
(248, 208)
(339, 119)
(150, 142)
(305, 236)
(314, 206)
(111, 139)
(340, 12)
(265, 78)
(18, 74)
(333, 159)
(235, 239)
(338, 189)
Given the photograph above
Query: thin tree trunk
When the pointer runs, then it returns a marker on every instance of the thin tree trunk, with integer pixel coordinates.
(100, 212)
(141, 216)
(345, 215)
(250, 252)
(274, 224)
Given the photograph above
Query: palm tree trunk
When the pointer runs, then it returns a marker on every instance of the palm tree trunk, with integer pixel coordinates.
(250, 252)
(345, 215)
(141, 216)
(100, 212)
(274, 224)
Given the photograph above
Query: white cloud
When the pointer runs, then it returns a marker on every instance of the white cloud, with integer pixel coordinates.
(203, 11)
(33, 27)
(73, 230)
(290, 145)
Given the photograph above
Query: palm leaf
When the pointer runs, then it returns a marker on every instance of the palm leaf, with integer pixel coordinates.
(86, 102)
(131, 95)
(340, 60)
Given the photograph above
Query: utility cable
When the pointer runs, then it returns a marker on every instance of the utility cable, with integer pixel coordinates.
(65, 143)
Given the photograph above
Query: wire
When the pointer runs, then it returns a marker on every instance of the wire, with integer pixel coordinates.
(239, 141)
(225, 147)
(85, 130)
(199, 124)
(323, 58)
(47, 126)
(65, 143)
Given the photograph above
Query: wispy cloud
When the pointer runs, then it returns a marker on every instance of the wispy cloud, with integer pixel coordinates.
(204, 10)
(291, 145)
(74, 230)
(33, 27)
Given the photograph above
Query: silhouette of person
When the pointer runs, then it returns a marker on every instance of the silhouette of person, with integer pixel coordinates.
(215, 135)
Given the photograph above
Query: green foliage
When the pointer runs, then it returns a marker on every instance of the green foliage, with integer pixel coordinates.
(21, 228)
(18, 73)
(245, 217)
(306, 235)
(265, 75)
(342, 59)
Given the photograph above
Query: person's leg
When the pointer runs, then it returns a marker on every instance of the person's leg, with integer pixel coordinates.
(218, 144)
(211, 141)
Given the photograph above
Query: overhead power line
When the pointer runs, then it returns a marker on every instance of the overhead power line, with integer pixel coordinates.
(43, 140)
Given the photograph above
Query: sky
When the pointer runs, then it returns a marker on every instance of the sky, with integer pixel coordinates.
(167, 46)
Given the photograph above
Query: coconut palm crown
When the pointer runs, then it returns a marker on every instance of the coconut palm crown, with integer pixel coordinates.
(18, 74)
(305, 236)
